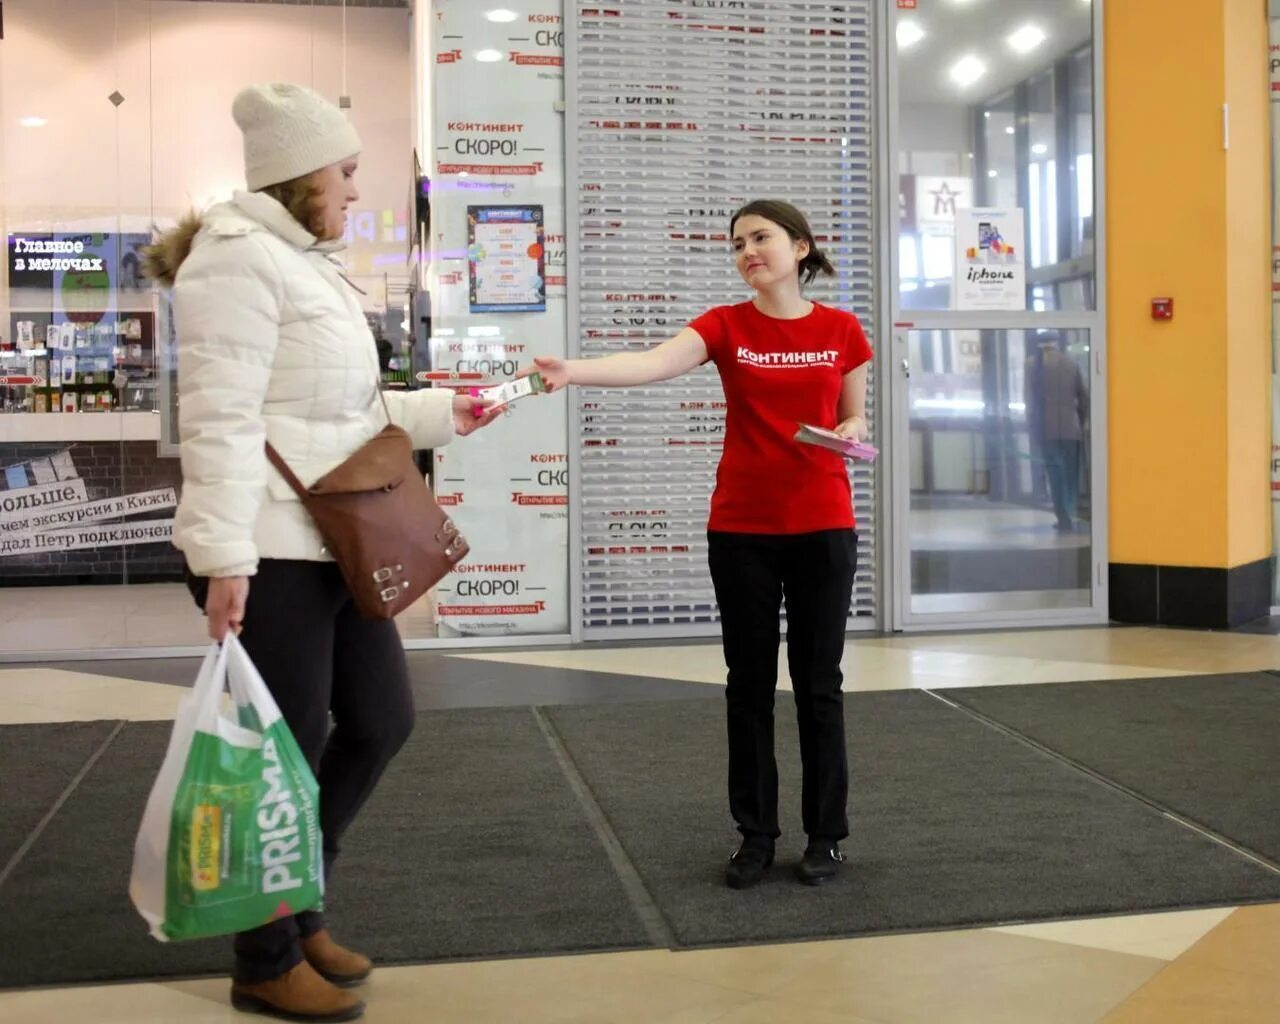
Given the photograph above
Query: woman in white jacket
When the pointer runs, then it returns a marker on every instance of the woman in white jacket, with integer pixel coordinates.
(274, 346)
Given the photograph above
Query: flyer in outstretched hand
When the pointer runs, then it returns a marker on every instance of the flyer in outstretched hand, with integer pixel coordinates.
(502, 395)
(845, 446)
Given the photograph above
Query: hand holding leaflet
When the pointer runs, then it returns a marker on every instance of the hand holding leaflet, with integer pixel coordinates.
(502, 395)
(846, 446)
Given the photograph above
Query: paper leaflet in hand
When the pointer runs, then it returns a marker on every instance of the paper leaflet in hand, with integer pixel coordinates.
(502, 395)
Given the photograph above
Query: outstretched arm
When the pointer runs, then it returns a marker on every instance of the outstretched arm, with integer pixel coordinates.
(670, 359)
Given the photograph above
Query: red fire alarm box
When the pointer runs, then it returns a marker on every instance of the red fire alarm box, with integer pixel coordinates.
(1162, 309)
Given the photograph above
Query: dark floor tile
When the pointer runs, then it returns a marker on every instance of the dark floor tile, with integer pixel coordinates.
(442, 681)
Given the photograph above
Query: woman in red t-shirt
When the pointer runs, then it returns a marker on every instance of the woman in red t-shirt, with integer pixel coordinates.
(781, 527)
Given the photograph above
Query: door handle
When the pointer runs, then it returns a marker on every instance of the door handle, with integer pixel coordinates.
(906, 369)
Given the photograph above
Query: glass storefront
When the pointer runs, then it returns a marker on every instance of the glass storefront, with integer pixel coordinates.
(493, 281)
(1016, 135)
(114, 121)
(998, 331)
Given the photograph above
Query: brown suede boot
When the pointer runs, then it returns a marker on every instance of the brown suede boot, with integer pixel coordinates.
(299, 994)
(335, 963)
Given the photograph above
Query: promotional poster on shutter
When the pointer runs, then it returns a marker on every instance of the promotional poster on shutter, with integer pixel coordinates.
(497, 280)
(508, 484)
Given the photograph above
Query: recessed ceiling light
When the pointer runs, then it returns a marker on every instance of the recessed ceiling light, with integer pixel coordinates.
(500, 14)
(1026, 39)
(1010, 130)
(909, 33)
(1039, 149)
(993, 174)
(33, 122)
(967, 70)
(488, 56)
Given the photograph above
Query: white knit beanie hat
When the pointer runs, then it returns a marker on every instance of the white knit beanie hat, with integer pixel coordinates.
(289, 131)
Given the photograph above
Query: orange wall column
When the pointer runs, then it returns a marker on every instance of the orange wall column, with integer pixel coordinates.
(1189, 400)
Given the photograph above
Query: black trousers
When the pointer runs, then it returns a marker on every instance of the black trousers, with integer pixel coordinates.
(754, 574)
(321, 661)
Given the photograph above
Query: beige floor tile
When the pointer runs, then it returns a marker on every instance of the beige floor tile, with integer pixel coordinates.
(37, 683)
(79, 697)
(1202, 995)
(772, 1011)
(975, 976)
(1185, 649)
(757, 970)
(1163, 936)
(1072, 988)
(603, 989)
(13, 713)
(191, 1002)
(867, 666)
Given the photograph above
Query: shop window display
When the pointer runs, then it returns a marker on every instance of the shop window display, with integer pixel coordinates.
(92, 163)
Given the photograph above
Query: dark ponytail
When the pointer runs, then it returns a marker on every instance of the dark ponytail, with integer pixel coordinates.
(793, 222)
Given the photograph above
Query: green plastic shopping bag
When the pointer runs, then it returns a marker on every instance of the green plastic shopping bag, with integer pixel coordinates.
(230, 838)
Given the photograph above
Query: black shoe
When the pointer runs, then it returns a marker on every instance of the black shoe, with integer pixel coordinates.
(749, 863)
(821, 862)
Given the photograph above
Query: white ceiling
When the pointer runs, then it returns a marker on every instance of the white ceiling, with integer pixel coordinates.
(958, 28)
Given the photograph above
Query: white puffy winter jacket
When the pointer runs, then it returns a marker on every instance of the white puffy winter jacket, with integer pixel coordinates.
(272, 345)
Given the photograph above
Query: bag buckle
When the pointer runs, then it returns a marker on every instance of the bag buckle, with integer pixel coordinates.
(389, 594)
(381, 575)
(453, 550)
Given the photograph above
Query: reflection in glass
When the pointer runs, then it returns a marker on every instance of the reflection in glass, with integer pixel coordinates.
(1000, 498)
(1018, 135)
(86, 180)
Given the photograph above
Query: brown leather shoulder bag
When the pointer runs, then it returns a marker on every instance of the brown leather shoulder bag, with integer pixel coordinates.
(381, 523)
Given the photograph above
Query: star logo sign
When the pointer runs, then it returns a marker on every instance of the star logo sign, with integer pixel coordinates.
(944, 200)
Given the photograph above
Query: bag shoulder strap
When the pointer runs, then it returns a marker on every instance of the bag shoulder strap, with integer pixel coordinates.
(290, 477)
(283, 469)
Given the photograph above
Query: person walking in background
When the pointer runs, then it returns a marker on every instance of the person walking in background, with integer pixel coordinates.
(781, 528)
(274, 346)
(1057, 404)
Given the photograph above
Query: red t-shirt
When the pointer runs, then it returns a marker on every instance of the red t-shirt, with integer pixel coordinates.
(778, 374)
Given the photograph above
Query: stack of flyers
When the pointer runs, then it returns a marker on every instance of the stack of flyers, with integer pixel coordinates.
(845, 446)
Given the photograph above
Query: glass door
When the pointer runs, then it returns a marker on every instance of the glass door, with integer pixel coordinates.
(996, 350)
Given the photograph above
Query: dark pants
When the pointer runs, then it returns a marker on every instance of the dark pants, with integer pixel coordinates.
(754, 574)
(1062, 466)
(318, 658)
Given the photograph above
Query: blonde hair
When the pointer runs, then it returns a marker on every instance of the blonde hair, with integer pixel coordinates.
(300, 196)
